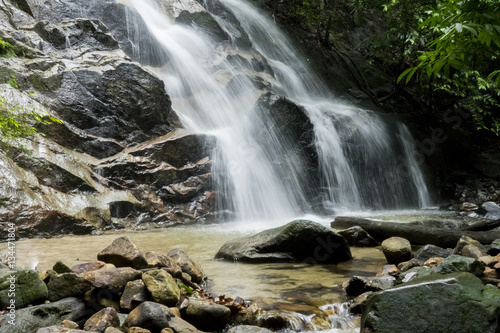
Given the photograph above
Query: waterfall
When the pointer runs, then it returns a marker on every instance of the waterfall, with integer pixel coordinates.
(237, 80)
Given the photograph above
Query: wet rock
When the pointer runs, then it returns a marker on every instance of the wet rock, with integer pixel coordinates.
(162, 287)
(414, 273)
(472, 251)
(155, 317)
(464, 241)
(396, 250)
(32, 318)
(123, 253)
(207, 316)
(459, 300)
(360, 284)
(490, 210)
(87, 267)
(494, 248)
(429, 251)
(27, 286)
(67, 285)
(103, 319)
(134, 294)
(356, 236)
(388, 270)
(406, 265)
(356, 306)
(113, 279)
(456, 263)
(300, 240)
(491, 273)
(186, 264)
(204, 21)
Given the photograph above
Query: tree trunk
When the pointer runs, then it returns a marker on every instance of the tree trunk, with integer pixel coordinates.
(416, 234)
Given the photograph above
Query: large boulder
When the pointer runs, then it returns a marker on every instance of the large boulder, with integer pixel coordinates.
(300, 240)
(155, 317)
(26, 287)
(430, 251)
(123, 253)
(490, 210)
(456, 263)
(457, 302)
(162, 287)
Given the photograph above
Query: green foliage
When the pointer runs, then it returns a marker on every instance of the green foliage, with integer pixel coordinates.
(187, 289)
(18, 122)
(6, 49)
(12, 81)
(463, 58)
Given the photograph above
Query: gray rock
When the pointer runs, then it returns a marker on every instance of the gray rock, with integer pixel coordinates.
(99, 322)
(155, 317)
(26, 285)
(186, 264)
(451, 303)
(207, 316)
(67, 285)
(32, 318)
(134, 294)
(356, 236)
(248, 329)
(299, 240)
(162, 287)
(360, 284)
(396, 250)
(430, 251)
(456, 263)
(490, 210)
(123, 253)
(59, 329)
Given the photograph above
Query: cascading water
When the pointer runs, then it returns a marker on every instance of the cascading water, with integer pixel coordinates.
(222, 84)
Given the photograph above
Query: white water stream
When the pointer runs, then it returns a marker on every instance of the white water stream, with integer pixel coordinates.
(362, 162)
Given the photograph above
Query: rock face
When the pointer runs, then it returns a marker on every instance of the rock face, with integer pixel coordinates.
(299, 240)
(396, 250)
(119, 153)
(456, 302)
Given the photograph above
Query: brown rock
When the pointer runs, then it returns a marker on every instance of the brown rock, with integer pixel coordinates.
(138, 330)
(356, 303)
(491, 273)
(113, 330)
(433, 262)
(113, 279)
(123, 253)
(160, 260)
(134, 294)
(167, 330)
(87, 267)
(388, 270)
(70, 324)
(404, 266)
(187, 265)
(472, 251)
(103, 319)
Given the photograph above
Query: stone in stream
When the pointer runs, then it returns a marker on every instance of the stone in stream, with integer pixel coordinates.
(123, 253)
(99, 322)
(27, 286)
(490, 210)
(248, 329)
(297, 241)
(155, 317)
(207, 316)
(162, 287)
(396, 250)
(356, 236)
(457, 302)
